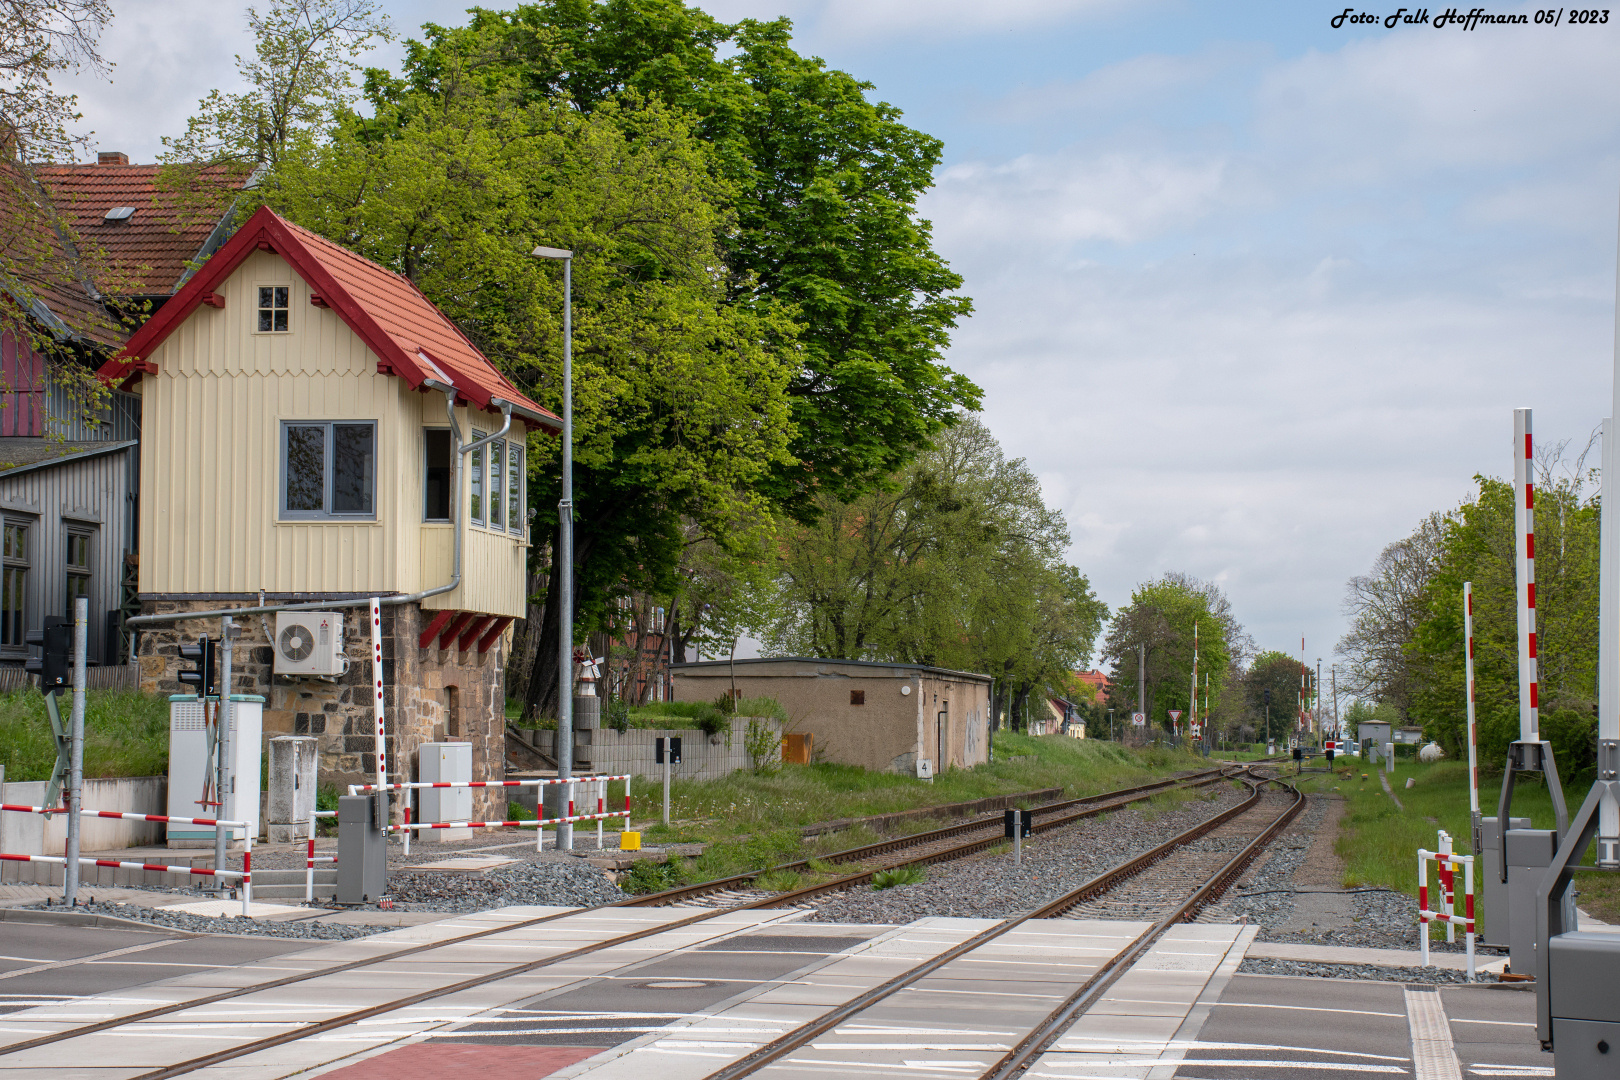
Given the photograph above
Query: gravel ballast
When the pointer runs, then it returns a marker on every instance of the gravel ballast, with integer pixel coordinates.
(988, 886)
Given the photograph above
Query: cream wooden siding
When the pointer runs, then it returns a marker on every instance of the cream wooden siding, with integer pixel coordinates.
(211, 461)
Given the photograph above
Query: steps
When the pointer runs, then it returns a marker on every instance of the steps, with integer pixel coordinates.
(289, 884)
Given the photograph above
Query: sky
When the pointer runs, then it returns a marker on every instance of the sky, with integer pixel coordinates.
(1253, 294)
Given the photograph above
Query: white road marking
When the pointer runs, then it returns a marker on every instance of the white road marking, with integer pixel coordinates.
(52, 965)
(1304, 1008)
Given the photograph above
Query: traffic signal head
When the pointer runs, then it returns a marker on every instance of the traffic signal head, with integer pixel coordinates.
(200, 677)
(1267, 693)
(54, 665)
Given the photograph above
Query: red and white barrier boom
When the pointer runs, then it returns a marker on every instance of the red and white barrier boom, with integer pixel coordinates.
(245, 875)
(602, 814)
(1447, 863)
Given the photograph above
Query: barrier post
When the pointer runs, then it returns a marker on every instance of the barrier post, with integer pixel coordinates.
(247, 871)
(407, 837)
(1468, 899)
(601, 808)
(1423, 906)
(309, 866)
(1447, 886)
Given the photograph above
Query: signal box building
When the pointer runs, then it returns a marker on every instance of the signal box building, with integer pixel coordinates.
(296, 447)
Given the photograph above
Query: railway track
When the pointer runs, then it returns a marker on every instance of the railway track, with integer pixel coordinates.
(1172, 881)
(935, 845)
(712, 898)
(1143, 865)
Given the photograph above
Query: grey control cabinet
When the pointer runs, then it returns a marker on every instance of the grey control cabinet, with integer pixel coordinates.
(1529, 853)
(1493, 891)
(1585, 1009)
(362, 848)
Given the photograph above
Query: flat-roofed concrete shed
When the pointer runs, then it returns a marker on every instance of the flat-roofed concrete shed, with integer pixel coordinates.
(884, 717)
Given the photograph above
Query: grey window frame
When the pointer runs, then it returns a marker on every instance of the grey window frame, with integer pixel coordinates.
(24, 565)
(515, 523)
(495, 486)
(70, 571)
(477, 489)
(327, 472)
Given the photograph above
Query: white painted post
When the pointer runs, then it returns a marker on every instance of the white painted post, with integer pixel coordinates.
(377, 693)
(70, 870)
(1468, 883)
(1524, 522)
(1608, 837)
(247, 871)
(1423, 906)
(1473, 731)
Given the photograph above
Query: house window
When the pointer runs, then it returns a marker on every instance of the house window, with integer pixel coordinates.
(13, 584)
(273, 309)
(857, 697)
(515, 477)
(436, 470)
(497, 502)
(328, 469)
(78, 567)
(475, 470)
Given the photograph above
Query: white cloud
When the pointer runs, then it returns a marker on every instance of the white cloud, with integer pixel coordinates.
(1053, 200)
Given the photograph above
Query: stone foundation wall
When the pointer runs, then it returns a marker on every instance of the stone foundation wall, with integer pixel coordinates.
(428, 695)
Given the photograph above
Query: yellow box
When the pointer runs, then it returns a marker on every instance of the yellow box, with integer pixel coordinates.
(629, 841)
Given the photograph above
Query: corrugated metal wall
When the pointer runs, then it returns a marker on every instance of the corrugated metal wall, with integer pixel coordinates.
(210, 470)
(89, 494)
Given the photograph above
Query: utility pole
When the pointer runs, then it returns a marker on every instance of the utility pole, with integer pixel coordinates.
(1316, 699)
(1141, 680)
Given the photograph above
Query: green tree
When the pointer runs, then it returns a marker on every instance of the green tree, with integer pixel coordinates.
(1159, 621)
(679, 403)
(823, 183)
(956, 563)
(1287, 678)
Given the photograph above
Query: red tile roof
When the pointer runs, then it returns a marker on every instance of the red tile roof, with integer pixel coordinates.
(1097, 680)
(148, 253)
(410, 337)
(45, 275)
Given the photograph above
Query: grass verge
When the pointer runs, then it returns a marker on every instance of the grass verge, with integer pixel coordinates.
(1379, 842)
(126, 733)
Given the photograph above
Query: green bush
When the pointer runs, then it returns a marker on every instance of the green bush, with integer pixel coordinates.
(616, 714)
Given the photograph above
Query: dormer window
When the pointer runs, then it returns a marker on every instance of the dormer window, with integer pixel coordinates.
(118, 215)
(273, 309)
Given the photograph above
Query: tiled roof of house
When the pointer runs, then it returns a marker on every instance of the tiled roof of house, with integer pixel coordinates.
(410, 337)
(145, 253)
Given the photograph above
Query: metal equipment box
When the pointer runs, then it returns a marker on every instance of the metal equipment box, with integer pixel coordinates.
(1493, 924)
(1529, 852)
(1585, 1009)
(445, 763)
(362, 848)
(189, 770)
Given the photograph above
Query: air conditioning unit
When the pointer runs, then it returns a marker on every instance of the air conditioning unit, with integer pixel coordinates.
(309, 643)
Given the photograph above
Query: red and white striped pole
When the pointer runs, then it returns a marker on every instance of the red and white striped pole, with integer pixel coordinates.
(1473, 730)
(377, 690)
(1524, 521)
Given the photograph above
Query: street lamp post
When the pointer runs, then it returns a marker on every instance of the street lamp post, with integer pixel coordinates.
(565, 548)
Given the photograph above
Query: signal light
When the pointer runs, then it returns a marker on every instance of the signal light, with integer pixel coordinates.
(201, 676)
(54, 665)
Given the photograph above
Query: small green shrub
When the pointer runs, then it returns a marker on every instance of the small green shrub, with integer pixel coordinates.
(518, 812)
(899, 875)
(762, 706)
(764, 746)
(616, 714)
